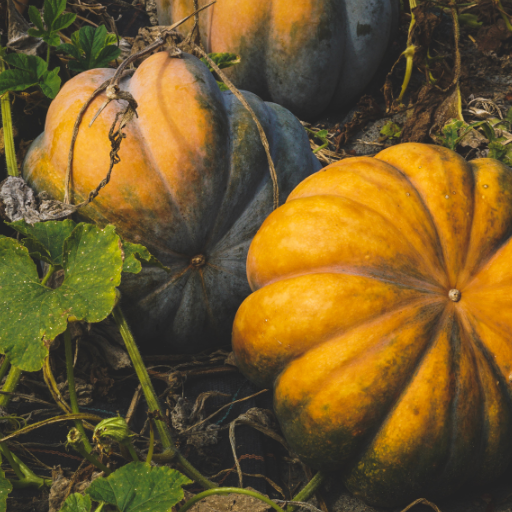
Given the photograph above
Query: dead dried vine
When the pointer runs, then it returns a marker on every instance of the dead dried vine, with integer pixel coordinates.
(74, 136)
(456, 36)
(114, 93)
(243, 101)
(422, 501)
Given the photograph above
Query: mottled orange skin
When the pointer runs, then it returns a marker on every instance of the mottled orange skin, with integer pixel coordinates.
(307, 55)
(192, 186)
(375, 369)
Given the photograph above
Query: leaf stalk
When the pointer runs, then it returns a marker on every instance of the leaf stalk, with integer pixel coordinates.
(10, 151)
(170, 451)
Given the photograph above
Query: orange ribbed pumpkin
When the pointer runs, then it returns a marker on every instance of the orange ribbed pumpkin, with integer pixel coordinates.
(193, 186)
(382, 316)
(310, 56)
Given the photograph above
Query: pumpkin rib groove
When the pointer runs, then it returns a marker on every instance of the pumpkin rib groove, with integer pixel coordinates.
(220, 268)
(213, 232)
(352, 469)
(431, 234)
(171, 281)
(169, 192)
(333, 283)
(438, 245)
(487, 262)
(397, 232)
(261, 192)
(338, 339)
(404, 280)
(379, 317)
(227, 229)
(485, 357)
(480, 345)
(266, 117)
(413, 373)
(421, 257)
(488, 175)
(336, 207)
(438, 159)
(460, 341)
(207, 302)
(483, 441)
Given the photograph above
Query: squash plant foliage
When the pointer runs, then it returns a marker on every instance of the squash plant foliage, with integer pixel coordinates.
(92, 47)
(93, 261)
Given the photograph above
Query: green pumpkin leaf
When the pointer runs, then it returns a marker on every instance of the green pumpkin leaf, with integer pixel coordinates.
(70, 49)
(35, 17)
(64, 21)
(89, 41)
(106, 55)
(93, 48)
(52, 9)
(75, 39)
(489, 132)
(134, 254)
(138, 487)
(31, 312)
(5, 489)
(50, 83)
(45, 240)
(110, 39)
(77, 503)
(30, 63)
(16, 80)
(390, 131)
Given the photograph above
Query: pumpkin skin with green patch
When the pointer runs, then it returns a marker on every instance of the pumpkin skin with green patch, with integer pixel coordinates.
(382, 317)
(307, 55)
(193, 185)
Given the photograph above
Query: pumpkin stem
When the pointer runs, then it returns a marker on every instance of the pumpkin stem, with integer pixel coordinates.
(308, 490)
(454, 295)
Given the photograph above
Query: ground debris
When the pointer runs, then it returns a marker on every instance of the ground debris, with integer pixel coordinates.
(229, 503)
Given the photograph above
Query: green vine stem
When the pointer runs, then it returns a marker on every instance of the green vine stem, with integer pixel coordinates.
(26, 477)
(149, 456)
(4, 368)
(409, 52)
(73, 399)
(308, 490)
(170, 452)
(76, 441)
(142, 374)
(48, 274)
(80, 448)
(504, 15)
(8, 388)
(10, 152)
(131, 451)
(229, 490)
